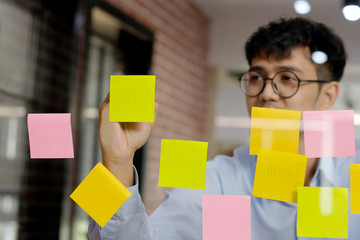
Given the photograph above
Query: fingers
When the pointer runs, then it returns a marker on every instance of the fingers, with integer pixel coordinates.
(156, 108)
(107, 98)
(156, 112)
(104, 110)
(104, 103)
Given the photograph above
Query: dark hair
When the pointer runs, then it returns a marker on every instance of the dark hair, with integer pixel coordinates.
(278, 38)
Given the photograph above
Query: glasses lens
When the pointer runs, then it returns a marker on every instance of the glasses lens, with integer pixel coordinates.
(252, 83)
(286, 84)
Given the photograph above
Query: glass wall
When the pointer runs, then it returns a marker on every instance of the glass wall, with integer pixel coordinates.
(57, 57)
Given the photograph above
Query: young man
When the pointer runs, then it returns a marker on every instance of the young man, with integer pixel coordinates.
(282, 75)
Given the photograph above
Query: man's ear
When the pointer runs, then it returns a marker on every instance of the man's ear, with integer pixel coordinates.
(328, 95)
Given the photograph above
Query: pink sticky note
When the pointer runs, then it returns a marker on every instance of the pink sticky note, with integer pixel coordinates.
(50, 136)
(226, 217)
(329, 133)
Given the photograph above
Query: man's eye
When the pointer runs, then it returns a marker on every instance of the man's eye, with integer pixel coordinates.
(254, 78)
(287, 78)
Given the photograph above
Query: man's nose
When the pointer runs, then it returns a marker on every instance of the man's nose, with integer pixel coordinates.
(268, 94)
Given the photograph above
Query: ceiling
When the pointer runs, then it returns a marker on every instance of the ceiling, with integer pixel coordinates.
(232, 22)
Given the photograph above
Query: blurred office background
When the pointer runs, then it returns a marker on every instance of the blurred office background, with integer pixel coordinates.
(57, 56)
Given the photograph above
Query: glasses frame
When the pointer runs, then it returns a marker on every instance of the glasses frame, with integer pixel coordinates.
(273, 84)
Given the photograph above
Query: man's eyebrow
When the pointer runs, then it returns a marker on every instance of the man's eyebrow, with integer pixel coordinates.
(257, 68)
(278, 69)
(289, 68)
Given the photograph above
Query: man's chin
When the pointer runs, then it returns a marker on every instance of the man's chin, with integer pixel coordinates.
(268, 106)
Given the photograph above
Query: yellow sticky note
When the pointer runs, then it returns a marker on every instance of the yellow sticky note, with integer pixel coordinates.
(100, 194)
(132, 98)
(278, 175)
(183, 164)
(355, 188)
(274, 129)
(322, 212)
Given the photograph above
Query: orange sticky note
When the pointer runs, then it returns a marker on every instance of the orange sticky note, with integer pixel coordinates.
(100, 194)
(278, 175)
(322, 212)
(132, 98)
(274, 129)
(183, 164)
(50, 135)
(355, 188)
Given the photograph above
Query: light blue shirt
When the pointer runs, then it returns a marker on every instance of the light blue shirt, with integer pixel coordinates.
(179, 217)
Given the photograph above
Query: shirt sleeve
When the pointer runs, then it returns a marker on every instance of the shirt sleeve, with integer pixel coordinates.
(129, 222)
(179, 217)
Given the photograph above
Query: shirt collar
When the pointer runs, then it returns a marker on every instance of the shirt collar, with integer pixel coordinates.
(325, 173)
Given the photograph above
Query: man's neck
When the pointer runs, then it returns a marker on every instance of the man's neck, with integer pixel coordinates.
(311, 167)
(311, 164)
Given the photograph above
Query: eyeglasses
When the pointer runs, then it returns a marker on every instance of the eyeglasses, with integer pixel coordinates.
(284, 83)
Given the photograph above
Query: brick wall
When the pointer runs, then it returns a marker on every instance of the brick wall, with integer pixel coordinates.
(180, 65)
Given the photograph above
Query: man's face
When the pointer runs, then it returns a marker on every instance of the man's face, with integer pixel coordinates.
(308, 95)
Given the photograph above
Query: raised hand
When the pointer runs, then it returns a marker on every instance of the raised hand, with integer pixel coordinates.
(119, 141)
